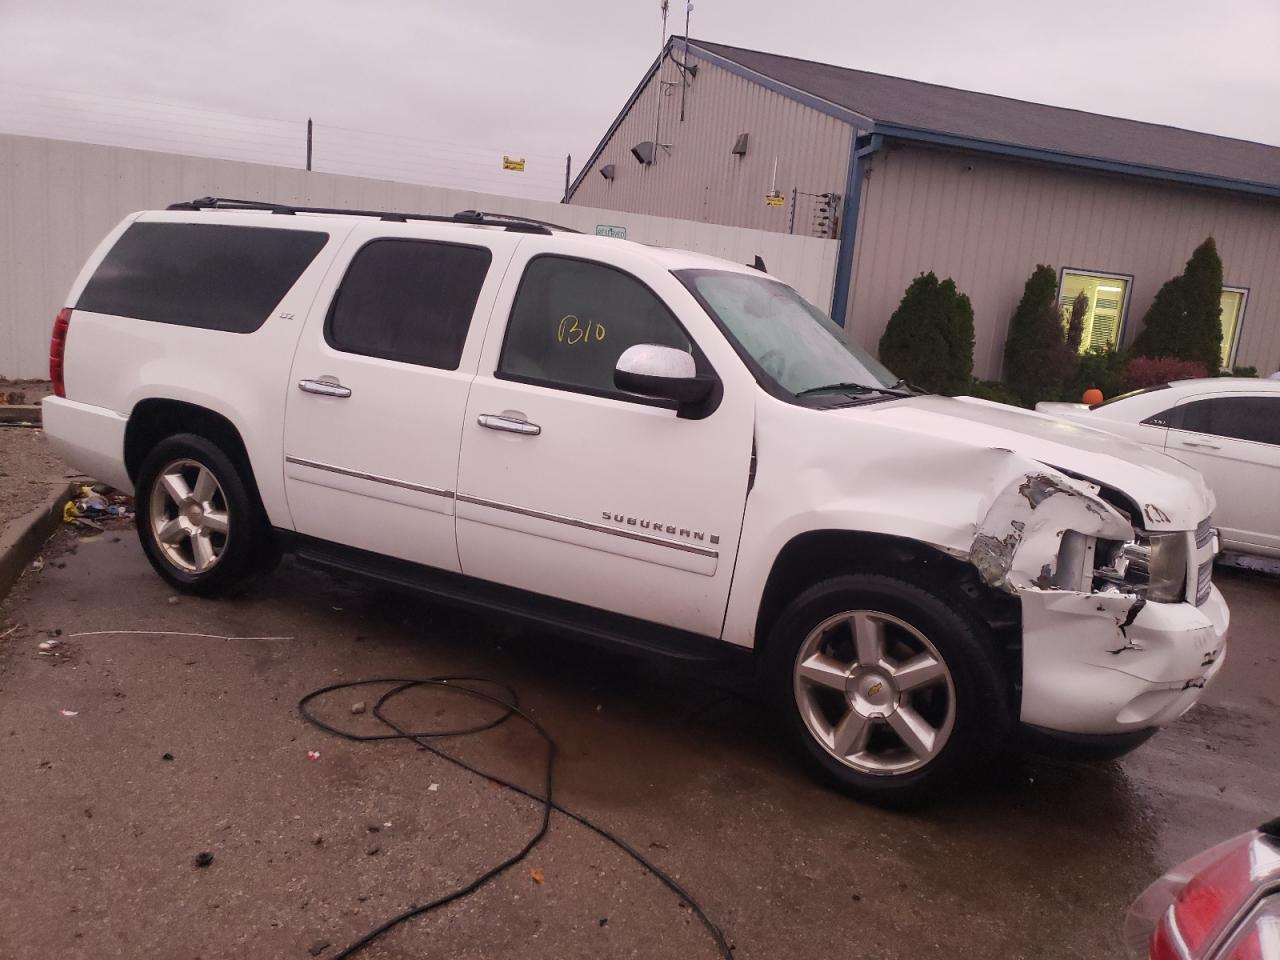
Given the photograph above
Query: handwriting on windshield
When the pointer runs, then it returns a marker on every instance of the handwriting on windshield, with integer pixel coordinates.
(573, 331)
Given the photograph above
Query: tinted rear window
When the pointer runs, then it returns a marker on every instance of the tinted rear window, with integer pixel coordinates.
(209, 275)
(408, 300)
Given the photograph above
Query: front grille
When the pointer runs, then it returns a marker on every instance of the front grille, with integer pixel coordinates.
(1204, 581)
(1204, 532)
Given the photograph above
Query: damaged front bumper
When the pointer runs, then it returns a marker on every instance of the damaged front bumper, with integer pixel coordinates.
(1086, 671)
(1101, 656)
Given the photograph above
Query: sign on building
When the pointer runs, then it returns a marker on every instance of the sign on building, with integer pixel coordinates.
(511, 163)
(606, 230)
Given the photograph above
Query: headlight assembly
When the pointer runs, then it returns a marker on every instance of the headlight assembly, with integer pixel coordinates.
(1154, 565)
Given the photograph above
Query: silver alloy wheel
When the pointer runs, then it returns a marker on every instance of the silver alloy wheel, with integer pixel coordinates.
(874, 692)
(188, 515)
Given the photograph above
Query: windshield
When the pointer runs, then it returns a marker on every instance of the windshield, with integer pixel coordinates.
(789, 338)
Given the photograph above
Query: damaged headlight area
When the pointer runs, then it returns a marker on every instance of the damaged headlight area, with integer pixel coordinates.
(1153, 565)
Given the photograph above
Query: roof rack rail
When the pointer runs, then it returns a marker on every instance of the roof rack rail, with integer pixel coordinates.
(474, 217)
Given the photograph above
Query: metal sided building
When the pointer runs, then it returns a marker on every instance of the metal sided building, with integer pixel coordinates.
(910, 177)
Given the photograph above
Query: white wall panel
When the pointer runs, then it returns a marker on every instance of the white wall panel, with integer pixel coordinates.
(699, 178)
(987, 222)
(59, 198)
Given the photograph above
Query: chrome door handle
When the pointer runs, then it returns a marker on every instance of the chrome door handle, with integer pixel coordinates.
(1197, 443)
(326, 387)
(510, 424)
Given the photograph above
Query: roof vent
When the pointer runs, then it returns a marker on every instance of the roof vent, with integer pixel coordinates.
(643, 152)
(609, 171)
(740, 145)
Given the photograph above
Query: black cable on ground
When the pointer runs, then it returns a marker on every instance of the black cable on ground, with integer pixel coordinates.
(510, 707)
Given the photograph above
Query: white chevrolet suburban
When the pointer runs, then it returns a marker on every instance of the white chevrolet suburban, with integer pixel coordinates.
(645, 445)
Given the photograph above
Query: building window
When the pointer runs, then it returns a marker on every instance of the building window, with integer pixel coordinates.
(1107, 296)
(1234, 300)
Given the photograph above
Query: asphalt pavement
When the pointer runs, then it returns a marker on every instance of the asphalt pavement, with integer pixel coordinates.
(125, 756)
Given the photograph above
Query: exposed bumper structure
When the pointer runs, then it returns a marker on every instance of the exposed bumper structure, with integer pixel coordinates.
(1085, 672)
(89, 438)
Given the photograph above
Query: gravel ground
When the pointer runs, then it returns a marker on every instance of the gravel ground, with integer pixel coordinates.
(99, 827)
(24, 391)
(27, 471)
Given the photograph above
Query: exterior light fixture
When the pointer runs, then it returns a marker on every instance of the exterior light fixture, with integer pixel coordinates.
(643, 152)
(609, 171)
(740, 145)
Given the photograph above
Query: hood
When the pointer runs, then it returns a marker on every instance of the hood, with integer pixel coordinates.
(1161, 486)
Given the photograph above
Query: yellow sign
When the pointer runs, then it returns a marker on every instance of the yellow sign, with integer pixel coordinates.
(774, 199)
(511, 163)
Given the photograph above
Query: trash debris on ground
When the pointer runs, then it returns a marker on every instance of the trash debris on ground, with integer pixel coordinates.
(47, 645)
(434, 787)
(358, 707)
(97, 503)
(69, 713)
(174, 600)
(313, 754)
(203, 858)
(167, 756)
(536, 875)
(37, 564)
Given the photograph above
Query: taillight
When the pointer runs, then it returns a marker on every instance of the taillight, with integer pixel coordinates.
(1211, 898)
(1194, 912)
(58, 350)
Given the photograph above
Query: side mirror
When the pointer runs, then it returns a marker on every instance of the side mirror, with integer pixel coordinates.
(662, 372)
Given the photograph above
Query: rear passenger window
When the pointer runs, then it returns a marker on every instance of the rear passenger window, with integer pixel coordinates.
(572, 319)
(1241, 418)
(408, 300)
(209, 275)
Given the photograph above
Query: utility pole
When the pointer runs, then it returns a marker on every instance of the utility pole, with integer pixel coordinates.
(791, 228)
(308, 143)
(568, 162)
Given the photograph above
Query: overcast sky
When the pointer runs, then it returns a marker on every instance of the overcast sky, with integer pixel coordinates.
(438, 91)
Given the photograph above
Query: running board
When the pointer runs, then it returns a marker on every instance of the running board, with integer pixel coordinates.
(588, 622)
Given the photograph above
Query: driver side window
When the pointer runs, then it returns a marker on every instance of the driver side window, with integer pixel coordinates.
(572, 319)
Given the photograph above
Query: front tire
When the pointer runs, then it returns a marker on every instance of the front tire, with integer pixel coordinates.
(886, 689)
(200, 527)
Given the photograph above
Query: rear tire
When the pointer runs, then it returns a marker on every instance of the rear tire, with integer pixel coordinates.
(200, 526)
(887, 689)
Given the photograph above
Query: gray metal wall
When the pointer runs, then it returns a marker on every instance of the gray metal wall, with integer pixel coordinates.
(988, 222)
(700, 178)
(59, 198)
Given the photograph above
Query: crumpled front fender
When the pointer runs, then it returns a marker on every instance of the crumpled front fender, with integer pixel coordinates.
(1017, 543)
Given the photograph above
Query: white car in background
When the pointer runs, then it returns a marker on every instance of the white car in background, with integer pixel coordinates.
(1228, 428)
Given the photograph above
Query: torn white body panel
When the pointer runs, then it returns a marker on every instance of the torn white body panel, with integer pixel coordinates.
(1019, 540)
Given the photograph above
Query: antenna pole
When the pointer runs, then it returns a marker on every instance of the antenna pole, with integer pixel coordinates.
(657, 84)
(684, 71)
(568, 161)
(308, 143)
